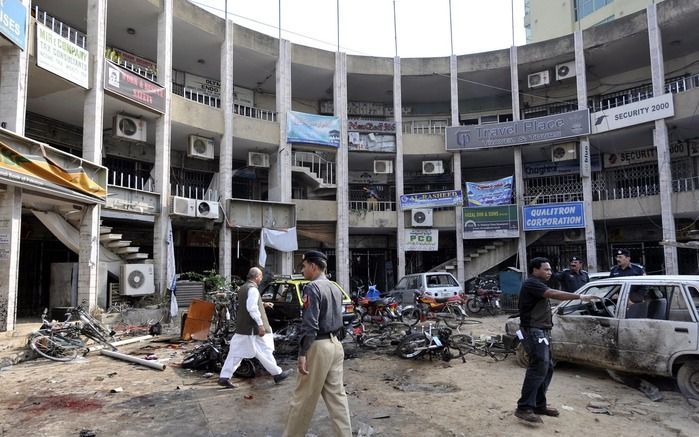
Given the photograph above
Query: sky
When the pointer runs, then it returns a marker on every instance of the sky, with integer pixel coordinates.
(366, 26)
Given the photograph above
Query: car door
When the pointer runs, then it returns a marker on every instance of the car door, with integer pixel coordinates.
(668, 327)
(286, 306)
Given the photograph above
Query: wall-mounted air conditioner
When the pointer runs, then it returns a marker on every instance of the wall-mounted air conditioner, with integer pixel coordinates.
(432, 167)
(421, 217)
(129, 128)
(564, 152)
(183, 206)
(573, 234)
(538, 79)
(565, 70)
(257, 159)
(137, 279)
(207, 209)
(200, 147)
(383, 166)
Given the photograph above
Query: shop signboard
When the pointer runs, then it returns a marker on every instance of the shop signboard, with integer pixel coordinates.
(540, 169)
(13, 22)
(437, 199)
(643, 111)
(569, 215)
(305, 128)
(421, 240)
(639, 156)
(498, 192)
(62, 57)
(491, 222)
(550, 128)
(211, 87)
(375, 126)
(133, 87)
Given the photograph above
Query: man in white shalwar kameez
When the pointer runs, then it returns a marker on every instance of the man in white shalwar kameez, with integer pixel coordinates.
(253, 335)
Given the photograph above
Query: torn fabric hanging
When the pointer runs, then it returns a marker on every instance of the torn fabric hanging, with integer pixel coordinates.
(284, 241)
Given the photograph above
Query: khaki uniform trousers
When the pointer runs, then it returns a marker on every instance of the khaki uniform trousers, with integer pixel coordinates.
(324, 361)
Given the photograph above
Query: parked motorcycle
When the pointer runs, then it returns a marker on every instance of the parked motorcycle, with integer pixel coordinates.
(430, 342)
(484, 295)
(428, 307)
(374, 309)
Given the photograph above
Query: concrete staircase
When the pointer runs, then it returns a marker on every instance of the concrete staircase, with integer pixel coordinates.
(316, 171)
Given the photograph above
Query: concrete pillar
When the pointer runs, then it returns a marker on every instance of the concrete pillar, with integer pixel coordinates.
(10, 224)
(661, 141)
(456, 165)
(398, 114)
(162, 146)
(93, 110)
(585, 156)
(342, 255)
(225, 171)
(13, 86)
(519, 168)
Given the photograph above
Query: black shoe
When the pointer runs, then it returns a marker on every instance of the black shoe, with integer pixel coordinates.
(225, 382)
(282, 376)
(528, 416)
(546, 411)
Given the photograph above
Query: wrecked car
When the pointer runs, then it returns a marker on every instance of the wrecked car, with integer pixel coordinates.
(645, 325)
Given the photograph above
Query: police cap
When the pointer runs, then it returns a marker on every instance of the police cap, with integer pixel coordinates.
(624, 252)
(315, 255)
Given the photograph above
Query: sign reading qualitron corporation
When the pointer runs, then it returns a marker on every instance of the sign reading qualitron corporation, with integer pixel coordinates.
(133, 87)
(436, 199)
(643, 111)
(491, 222)
(421, 240)
(13, 22)
(568, 215)
(534, 130)
(61, 57)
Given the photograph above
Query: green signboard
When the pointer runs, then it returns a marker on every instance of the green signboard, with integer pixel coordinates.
(491, 222)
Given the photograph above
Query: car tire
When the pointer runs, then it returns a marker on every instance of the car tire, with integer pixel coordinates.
(688, 379)
(521, 356)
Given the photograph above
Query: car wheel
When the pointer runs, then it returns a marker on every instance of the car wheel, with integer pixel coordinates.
(688, 379)
(521, 356)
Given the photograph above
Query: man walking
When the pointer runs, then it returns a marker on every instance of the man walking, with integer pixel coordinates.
(320, 353)
(573, 277)
(624, 266)
(535, 333)
(253, 335)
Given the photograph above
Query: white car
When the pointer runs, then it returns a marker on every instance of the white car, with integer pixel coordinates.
(438, 285)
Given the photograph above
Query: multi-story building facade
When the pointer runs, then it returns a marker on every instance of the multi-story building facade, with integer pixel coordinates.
(184, 116)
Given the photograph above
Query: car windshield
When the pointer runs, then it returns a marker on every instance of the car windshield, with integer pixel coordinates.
(441, 281)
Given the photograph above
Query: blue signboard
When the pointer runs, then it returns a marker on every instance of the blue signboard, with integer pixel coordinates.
(312, 129)
(489, 193)
(13, 22)
(553, 216)
(437, 199)
(542, 169)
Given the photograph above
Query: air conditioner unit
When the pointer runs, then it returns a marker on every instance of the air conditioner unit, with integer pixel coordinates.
(383, 166)
(183, 206)
(200, 147)
(129, 127)
(137, 279)
(432, 167)
(573, 235)
(564, 152)
(421, 217)
(256, 159)
(565, 70)
(207, 209)
(538, 79)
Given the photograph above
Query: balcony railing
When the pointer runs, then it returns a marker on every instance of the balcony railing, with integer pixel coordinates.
(75, 36)
(193, 192)
(429, 127)
(248, 111)
(322, 168)
(196, 96)
(133, 182)
(137, 69)
(363, 205)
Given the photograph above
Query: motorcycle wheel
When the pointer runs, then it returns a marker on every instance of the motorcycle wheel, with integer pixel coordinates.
(454, 318)
(246, 369)
(473, 305)
(412, 346)
(411, 316)
(492, 309)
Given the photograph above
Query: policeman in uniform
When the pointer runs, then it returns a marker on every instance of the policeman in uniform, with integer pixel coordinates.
(573, 278)
(624, 266)
(321, 354)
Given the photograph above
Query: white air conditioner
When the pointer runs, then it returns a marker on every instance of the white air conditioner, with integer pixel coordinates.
(200, 147)
(421, 217)
(137, 279)
(207, 209)
(129, 127)
(565, 70)
(564, 152)
(538, 79)
(183, 206)
(383, 166)
(432, 167)
(573, 235)
(256, 159)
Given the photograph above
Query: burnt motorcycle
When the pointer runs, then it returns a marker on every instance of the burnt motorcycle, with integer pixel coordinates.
(485, 294)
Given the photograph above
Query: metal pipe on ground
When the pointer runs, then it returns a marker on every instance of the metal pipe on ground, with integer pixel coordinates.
(118, 355)
(99, 347)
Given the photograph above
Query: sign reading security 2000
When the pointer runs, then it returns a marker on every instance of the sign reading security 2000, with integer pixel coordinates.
(312, 129)
(534, 130)
(553, 216)
(13, 22)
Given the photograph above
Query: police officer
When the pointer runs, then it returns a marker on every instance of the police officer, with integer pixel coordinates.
(624, 266)
(321, 354)
(573, 277)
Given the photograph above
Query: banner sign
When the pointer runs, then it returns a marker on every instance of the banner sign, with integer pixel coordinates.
(375, 126)
(534, 130)
(638, 156)
(131, 86)
(372, 142)
(491, 222)
(542, 169)
(568, 215)
(117, 55)
(61, 57)
(488, 193)
(421, 240)
(437, 199)
(312, 129)
(643, 111)
(13, 22)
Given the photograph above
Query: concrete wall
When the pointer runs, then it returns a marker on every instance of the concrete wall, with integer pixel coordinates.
(256, 130)
(420, 144)
(373, 219)
(316, 210)
(185, 111)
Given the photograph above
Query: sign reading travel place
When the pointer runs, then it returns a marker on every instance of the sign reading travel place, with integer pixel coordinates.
(312, 129)
(638, 156)
(533, 130)
(498, 192)
(61, 57)
(421, 240)
(491, 222)
(437, 199)
(568, 215)
(643, 111)
(133, 87)
(547, 168)
(13, 22)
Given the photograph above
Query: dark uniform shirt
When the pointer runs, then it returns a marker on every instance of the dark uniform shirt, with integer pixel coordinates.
(570, 281)
(631, 270)
(534, 308)
(322, 311)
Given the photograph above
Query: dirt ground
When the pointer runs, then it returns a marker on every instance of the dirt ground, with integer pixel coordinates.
(388, 396)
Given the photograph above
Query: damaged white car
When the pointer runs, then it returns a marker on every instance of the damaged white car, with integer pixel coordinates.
(644, 325)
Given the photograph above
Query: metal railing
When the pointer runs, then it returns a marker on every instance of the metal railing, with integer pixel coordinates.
(75, 36)
(363, 205)
(429, 127)
(137, 69)
(323, 168)
(196, 96)
(133, 182)
(193, 192)
(261, 114)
